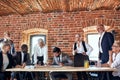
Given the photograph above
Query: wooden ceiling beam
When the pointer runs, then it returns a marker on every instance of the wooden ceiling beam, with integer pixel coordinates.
(29, 6)
(34, 5)
(44, 5)
(8, 4)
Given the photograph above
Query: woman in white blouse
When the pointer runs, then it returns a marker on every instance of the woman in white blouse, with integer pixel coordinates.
(79, 47)
(114, 60)
(81, 52)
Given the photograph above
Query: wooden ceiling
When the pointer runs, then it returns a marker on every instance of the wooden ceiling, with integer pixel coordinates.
(23, 7)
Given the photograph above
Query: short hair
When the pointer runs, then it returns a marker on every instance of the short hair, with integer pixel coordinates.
(24, 46)
(56, 49)
(40, 40)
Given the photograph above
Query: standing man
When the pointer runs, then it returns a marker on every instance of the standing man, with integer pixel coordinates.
(40, 53)
(8, 40)
(105, 43)
(40, 57)
(61, 59)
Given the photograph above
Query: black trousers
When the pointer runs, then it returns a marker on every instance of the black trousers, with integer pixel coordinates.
(79, 59)
(82, 76)
(79, 62)
(41, 75)
(5, 75)
(2, 76)
(116, 78)
(40, 60)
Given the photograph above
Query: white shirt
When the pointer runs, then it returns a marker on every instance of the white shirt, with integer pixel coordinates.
(100, 41)
(116, 64)
(58, 59)
(5, 61)
(80, 49)
(38, 51)
(22, 56)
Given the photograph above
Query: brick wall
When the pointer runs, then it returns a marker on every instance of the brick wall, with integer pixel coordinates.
(61, 26)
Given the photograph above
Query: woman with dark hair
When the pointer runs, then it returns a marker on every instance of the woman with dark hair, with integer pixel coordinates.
(6, 61)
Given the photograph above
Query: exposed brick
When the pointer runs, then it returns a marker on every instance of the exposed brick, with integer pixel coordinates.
(61, 26)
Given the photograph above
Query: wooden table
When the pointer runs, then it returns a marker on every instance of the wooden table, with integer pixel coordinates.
(63, 69)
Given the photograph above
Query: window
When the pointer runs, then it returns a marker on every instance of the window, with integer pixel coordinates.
(34, 41)
(93, 41)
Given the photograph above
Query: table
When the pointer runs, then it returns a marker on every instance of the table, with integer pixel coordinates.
(64, 69)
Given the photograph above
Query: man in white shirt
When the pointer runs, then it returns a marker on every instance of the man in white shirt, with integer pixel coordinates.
(40, 53)
(114, 60)
(40, 57)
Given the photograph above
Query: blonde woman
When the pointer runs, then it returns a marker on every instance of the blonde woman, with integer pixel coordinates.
(114, 60)
(6, 61)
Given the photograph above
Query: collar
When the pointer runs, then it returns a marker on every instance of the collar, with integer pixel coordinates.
(102, 33)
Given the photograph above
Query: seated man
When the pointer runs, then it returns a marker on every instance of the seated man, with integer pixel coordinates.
(61, 59)
(22, 58)
(114, 60)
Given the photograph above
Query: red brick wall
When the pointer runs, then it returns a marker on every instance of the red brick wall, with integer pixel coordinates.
(61, 26)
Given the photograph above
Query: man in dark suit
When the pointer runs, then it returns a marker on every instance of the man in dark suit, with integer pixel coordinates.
(105, 43)
(61, 59)
(21, 58)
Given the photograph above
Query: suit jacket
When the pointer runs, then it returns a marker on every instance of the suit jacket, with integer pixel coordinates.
(64, 58)
(10, 58)
(18, 58)
(106, 44)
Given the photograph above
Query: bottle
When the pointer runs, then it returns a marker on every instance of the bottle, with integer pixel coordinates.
(86, 64)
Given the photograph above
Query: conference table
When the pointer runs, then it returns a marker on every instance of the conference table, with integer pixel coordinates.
(63, 69)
